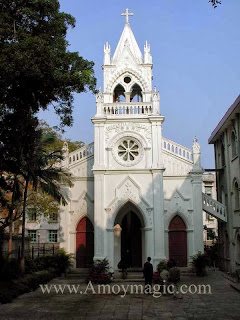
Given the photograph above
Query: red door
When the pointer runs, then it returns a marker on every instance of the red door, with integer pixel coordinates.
(178, 241)
(84, 243)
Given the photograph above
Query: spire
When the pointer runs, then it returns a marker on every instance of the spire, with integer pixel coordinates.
(127, 39)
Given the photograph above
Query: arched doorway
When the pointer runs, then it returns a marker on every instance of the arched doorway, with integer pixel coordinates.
(84, 243)
(128, 237)
(177, 236)
(131, 240)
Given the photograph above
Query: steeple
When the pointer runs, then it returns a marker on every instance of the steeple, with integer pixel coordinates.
(127, 39)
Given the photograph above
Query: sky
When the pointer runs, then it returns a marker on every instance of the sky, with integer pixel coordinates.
(196, 62)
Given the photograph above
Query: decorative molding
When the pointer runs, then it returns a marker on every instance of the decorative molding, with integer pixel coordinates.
(128, 126)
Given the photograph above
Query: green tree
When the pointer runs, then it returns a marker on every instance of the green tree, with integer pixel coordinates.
(215, 3)
(57, 142)
(37, 70)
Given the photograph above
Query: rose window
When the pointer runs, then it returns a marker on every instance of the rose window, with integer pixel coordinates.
(128, 150)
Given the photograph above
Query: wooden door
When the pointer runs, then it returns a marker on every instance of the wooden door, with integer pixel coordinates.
(84, 243)
(178, 241)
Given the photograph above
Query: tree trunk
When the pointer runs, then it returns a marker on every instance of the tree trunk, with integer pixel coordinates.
(22, 262)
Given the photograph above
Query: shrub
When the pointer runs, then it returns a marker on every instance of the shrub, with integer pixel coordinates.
(100, 272)
(200, 261)
(10, 269)
(174, 274)
(162, 265)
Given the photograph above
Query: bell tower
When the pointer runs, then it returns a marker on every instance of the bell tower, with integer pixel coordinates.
(128, 147)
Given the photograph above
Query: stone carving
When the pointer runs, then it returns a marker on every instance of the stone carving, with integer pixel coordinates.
(128, 126)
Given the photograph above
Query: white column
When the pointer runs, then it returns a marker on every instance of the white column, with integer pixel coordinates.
(149, 243)
(99, 217)
(158, 217)
(197, 211)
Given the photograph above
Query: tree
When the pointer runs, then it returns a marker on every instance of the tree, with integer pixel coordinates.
(24, 156)
(37, 70)
(215, 3)
(57, 142)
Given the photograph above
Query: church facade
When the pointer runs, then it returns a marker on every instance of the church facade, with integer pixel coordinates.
(136, 194)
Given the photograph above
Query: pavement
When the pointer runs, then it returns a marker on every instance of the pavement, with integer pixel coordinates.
(222, 304)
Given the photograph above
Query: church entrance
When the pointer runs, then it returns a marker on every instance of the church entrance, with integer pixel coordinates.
(129, 237)
(178, 241)
(131, 240)
(84, 243)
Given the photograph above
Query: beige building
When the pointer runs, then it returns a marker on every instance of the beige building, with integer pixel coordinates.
(225, 138)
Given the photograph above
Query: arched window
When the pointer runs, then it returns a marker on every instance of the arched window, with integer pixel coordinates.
(119, 94)
(136, 93)
(236, 196)
(234, 144)
(222, 155)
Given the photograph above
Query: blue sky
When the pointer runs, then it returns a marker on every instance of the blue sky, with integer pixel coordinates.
(196, 64)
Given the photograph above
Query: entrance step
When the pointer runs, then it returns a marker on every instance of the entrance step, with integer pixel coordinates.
(78, 273)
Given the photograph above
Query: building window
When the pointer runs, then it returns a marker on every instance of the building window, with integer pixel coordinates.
(53, 217)
(223, 155)
(236, 196)
(53, 236)
(33, 235)
(234, 144)
(32, 214)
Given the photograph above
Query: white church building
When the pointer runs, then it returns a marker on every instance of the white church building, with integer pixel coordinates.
(136, 194)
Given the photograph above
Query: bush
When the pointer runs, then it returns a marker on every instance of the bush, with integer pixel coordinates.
(174, 274)
(162, 265)
(200, 261)
(30, 282)
(100, 272)
(10, 269)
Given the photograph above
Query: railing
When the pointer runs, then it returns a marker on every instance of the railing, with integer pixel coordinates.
(141, 108)
(213, 207)
(81, 153)
(34, 252)
(177, 149)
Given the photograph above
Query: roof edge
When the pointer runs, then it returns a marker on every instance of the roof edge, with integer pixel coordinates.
(223, 120)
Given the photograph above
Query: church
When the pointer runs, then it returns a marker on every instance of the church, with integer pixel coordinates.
(136, 193)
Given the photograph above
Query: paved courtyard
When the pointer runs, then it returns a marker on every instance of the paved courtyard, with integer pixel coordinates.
(222, 304)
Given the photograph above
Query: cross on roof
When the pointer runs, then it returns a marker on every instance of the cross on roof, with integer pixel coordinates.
(127, 14)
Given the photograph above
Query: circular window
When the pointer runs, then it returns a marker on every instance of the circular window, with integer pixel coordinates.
(127, 79)
(128, 151)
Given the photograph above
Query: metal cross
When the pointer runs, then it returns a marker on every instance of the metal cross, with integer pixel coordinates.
(127, 14)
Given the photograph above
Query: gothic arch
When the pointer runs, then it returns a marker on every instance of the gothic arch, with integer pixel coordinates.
(136, 78)
(129, 205)
(172, 215)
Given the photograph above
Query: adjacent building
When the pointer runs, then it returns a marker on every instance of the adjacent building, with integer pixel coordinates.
(226, 141)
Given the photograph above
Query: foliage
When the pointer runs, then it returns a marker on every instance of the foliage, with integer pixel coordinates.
(57, 141)
(200, 261)
(100, 272)
(215, 3)
(171, 263)
(11, 290)
(24, 156)
(174, 274)
(161, 265)
(37, 70)
(10, 269)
